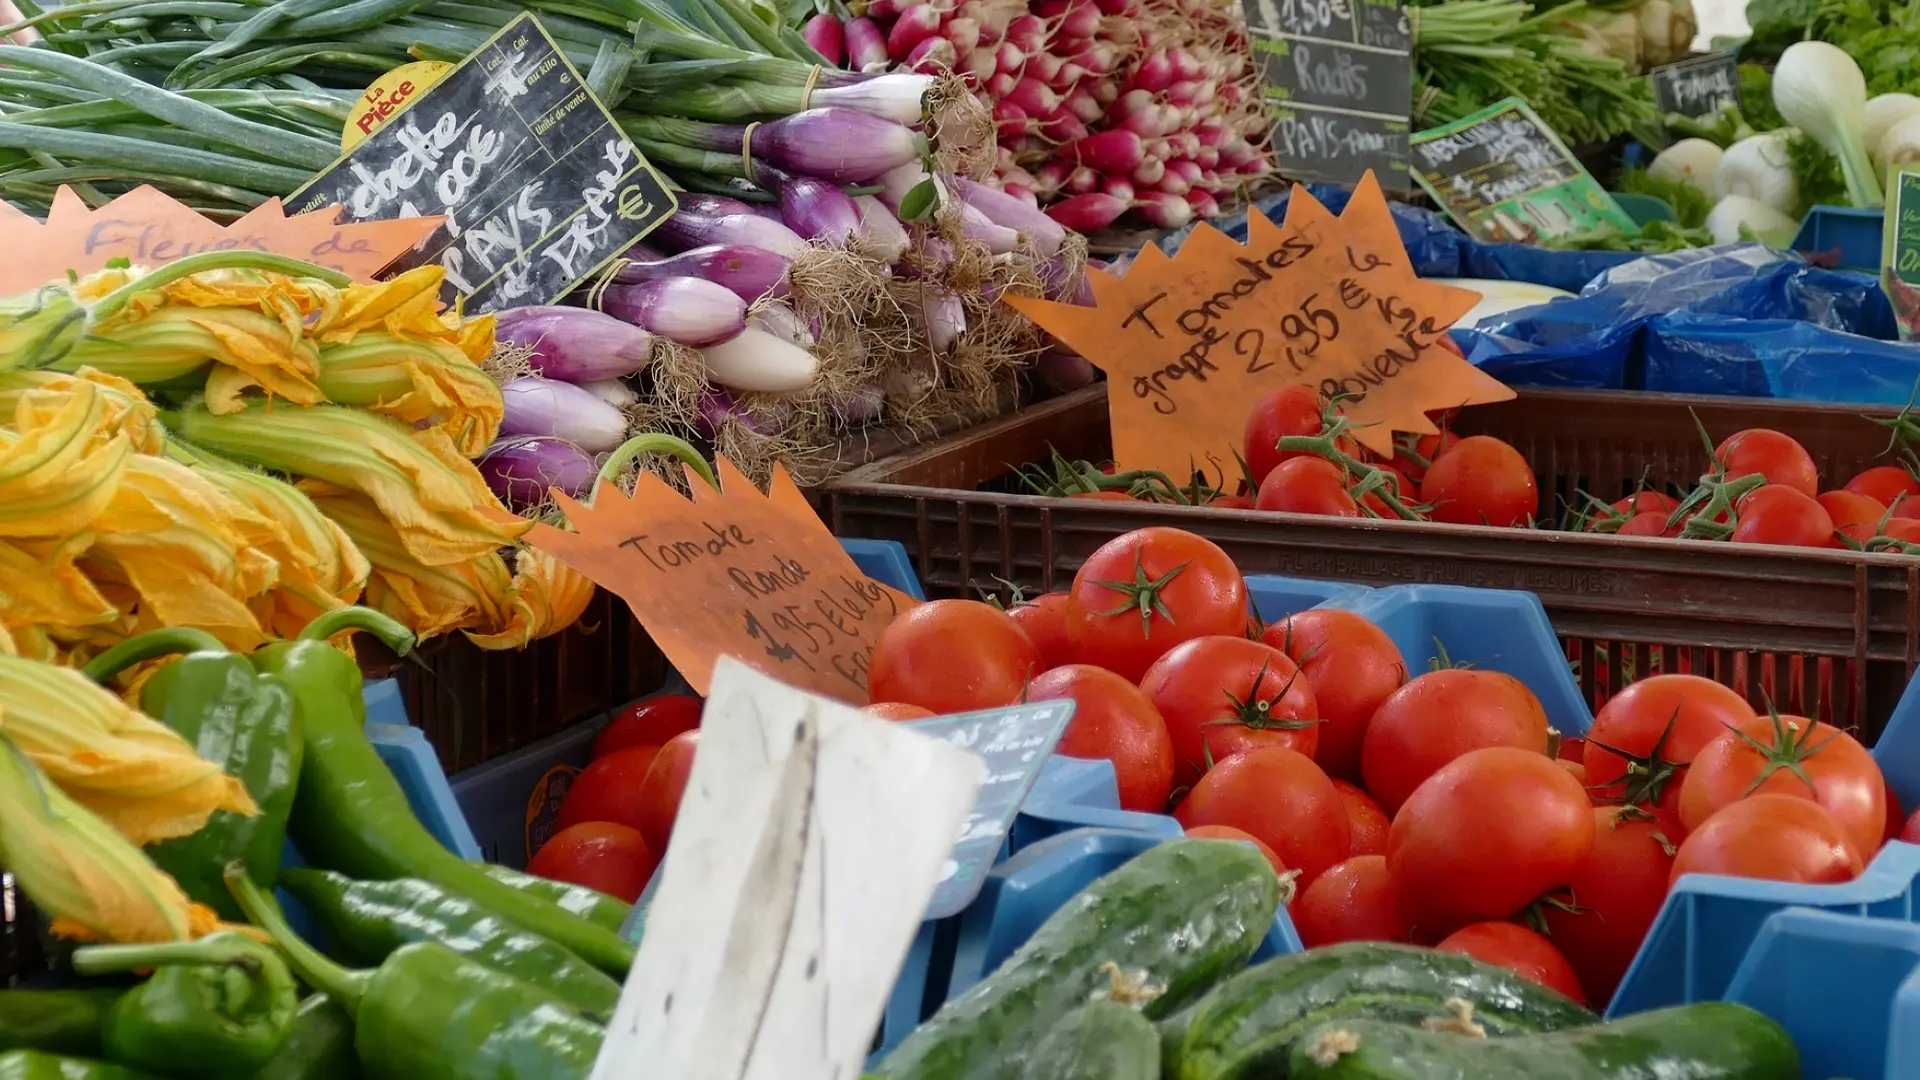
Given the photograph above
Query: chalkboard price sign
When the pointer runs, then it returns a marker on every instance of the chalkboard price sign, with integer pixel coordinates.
(1700, 87)
(1900, 253)
(1338, 79)
(539, 186)
(1503, 174)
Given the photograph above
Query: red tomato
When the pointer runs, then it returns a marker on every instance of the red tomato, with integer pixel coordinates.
(1282, 798)
(1307, 485)
(1112, 719)
(1231, 502)
(1776, 837)
(1648, 524)
(1403, 489)
(1781, 516)
(897, 711)
(1631, 756)
(662, 787)
(1518, 949)
(1228, 832)
(608, 789)
(1574, 769)
(951, 656)
(1143, 593)
(1427, 447)
(1884, 484)
(1907, 506)
(1777, 457)
(1617, 893)
(1352, 666)
(1779, 755)
(1574, 750)
(649, 722)
(1103, 496)
(1353, 901)
(1910, 832)
(1851, 508)
(1044, 620)
(1222, 695)
(1486, 835)
(599, 855)
(1903, 528)
(1481, 481)
(1440, 716)
(1646, 502)
(1290, 410)
(1367, 824)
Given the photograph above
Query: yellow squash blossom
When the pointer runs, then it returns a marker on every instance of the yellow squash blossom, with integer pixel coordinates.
(430, 600)
(56, 471)
(126, 407)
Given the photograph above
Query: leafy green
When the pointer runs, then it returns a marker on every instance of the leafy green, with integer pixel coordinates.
(1690, 205)
(1817, 174)
(1756, 98)
(1653, 237)
(1727, 127)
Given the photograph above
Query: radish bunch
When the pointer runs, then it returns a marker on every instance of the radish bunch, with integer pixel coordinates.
(1100, 106)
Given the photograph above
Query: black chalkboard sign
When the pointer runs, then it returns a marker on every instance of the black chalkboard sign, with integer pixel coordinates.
(1338, 78)
(540, 187)
(1700, 87)
(1503, 174)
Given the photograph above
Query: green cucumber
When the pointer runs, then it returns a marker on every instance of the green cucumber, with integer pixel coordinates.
(1707, 1041)
(1186, 912)
(1244, 1027)
(1104, 1040)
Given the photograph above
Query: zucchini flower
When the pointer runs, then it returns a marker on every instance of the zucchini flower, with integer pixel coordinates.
(42, 584)
(420, 382)
(59, 466)
(429, 600)
(547, 595)
(127, 409)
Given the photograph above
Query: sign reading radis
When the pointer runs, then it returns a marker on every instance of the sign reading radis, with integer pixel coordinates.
(1191, 344)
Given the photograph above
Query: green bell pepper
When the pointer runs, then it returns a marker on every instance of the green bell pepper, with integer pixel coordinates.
(350, 814)
(35, 1065)
(237, 717)
(58, 1021)
(428, 1013)
(367, 920)
(319, 1046)
(219, 1006)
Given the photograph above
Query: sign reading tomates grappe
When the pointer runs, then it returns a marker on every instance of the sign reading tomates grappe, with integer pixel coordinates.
(1192, 343)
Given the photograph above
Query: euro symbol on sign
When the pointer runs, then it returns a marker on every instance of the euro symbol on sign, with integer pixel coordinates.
(633, 203)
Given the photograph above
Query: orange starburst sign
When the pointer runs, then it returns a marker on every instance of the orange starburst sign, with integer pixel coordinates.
(731, 572)
(1190, 344)
(149, 228)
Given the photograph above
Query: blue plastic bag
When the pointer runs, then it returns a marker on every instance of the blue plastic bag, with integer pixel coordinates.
(1686, 353)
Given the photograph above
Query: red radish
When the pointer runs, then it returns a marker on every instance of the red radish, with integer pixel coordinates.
(1112, 151)
(1083, 180)
(1028, 34)
(1080, 20)
(866, 45)
(1119, 187)
(1203, 204)
(1024, 194)
(1114, 7)
(964, 33)
(1001, 84)
(932, 56)
(980, 64)
(1150, 172)
(827, 36)
(1064, 127)
(1044, 66)
(1009, 59)
(915, 24)
(1068, 77)
(1165, 210)
(1154, 74)
(1051, 176)
(1106, 93)
(1082, 104)
(883, 9)
(1207, 157)
(1034, 97)
(1086, 213)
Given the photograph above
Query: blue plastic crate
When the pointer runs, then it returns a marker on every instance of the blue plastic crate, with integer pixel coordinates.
(1855, 234)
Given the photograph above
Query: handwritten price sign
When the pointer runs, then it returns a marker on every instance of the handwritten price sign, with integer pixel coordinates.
(732, 573)
(1192, 343)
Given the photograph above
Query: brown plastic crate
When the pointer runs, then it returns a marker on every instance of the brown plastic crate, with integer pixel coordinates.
(1833, 634)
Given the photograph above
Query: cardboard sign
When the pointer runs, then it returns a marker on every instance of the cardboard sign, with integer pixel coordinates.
(731, 573)
(148, 228)
(1503, 174)
(381, 101)
(539, 186)
(1337, 77)
(805, 851)
(1900, 248)
(1700, 87)
(1192, 343)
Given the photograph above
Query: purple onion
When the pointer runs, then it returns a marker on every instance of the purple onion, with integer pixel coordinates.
(1010, 212)
(717, 406)
(576, 344)
(1064, 369)
(750, 272)
(707, 205)
(855, 407)
(612, 391)
(975, 225)
(883, 232)
(783, 322)
(756, 360)
(838, 145)
(689, 228)
(943, 316)
(520, 469)
(690, 311)
(561, 410)
(813, 208)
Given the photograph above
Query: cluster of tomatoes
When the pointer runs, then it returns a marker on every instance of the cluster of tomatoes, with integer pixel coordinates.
(1440, 808)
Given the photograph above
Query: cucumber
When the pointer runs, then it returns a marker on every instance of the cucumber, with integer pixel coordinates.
(1244, 1027)
(1101, 1041)
(1187, 912)
(1707, 1041)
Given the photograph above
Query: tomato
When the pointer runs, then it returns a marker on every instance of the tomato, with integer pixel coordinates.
(1574, 769)
(1903, 528)
(662, 787)
(608, 789)
(1231, 502)
(1486, 835)
(1632, 757)
(1616, 894)
(1044, 620)
(599, 855)
(1353, 901)
(1910, 832)
(1352, 666)
(1222, 695)
(1574, 750)
(1290, 410)
(1777, 457)
(1141, 594)
(1884, 484)
(1413, 461)
(1282, 798)
(1112, 719)
(1790, 755)
(1649, 524)
(1307, 485)
(1367, 824)
(1781, 516)
(1103, 496)
(649, 722)
(1850, 508)
(1906, 507)
(1646, 502)
(1518, 949)
(1402, 488)
(1481, 481)
(952, 656)
(1228, 832)
(1775, 837)
(1440, 716)
(897, 711)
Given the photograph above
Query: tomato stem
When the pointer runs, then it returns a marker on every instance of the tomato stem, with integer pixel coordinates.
(1789, 750)
(1646, 778)
(1142, 593)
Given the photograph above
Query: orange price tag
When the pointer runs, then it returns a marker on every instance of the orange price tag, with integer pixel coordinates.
(732, 573)
(148, 228)
(1192, 343)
